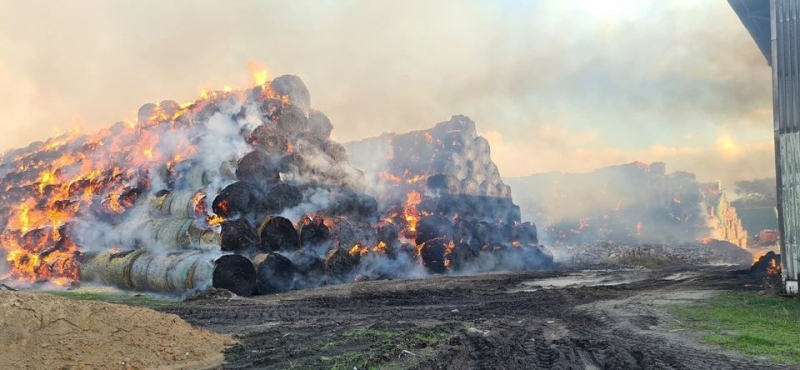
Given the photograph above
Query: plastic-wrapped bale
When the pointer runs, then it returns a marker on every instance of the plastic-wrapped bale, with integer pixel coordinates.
(177, 204)
(169, 234)
(169, 273)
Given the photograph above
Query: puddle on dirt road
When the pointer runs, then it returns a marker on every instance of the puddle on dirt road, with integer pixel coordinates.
(681, 276)
(588, 278)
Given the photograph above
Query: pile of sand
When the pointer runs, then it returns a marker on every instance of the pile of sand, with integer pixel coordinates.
(42, 331)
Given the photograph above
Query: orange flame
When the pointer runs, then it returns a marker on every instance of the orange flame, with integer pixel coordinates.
(259, 72)
(66, 183)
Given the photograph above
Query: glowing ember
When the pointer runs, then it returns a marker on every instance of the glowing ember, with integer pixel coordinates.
(86, 177)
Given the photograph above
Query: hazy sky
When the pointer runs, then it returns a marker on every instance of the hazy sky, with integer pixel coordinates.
(554, 84)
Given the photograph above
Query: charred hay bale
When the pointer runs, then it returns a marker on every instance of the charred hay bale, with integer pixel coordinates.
(534, 257)
(16, 194)
(488, 189)
(169, 108)
(492, 174)
(470, 187)
(277, 234)
(356, 205)
(525, 234)
(145, 112)
(351, 232)
(235, 273)
(765, 263)
(282, 196)
(257, 167)
(236, 199)
(483, 150)
(461, 256)
(292, 119)
(482, 234)
(461, 231)
(412, 150)
(270, 139)
(476, 170)
(293, 87)
(432, 227)
(410, 250)
(238, 236)
(387, 232)
(443, 183)
(339, 264)
(309, 269)
(459, 141)
(503, 190)
(457, 123)
(274, 273)
(451, 163)
(40, 236)
(319, 125)
(336, 151)
(433, 254)
(314, 234)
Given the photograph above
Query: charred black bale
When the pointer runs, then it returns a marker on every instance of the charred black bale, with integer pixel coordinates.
(238, 236)
(274, 273)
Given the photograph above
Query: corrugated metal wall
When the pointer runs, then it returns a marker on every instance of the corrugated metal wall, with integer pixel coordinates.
(786, 94)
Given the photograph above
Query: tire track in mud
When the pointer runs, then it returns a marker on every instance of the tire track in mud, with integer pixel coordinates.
(488, 327)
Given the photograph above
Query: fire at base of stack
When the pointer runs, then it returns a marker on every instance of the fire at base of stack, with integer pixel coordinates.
(245, 190)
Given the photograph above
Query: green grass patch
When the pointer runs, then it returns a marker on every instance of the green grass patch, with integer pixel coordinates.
(753, 324)
(373, 348)
(112, 297)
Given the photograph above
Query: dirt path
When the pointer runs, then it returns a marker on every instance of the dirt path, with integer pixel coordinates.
(495, 321)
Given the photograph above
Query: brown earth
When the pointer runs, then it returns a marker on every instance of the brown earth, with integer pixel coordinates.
(612, 319)
(42, 331)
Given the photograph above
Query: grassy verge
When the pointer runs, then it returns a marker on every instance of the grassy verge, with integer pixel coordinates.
(369, 348)
(112, 297)
(753, 324)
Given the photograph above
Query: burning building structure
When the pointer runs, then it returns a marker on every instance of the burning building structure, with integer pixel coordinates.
(774, 26)
(245, 190)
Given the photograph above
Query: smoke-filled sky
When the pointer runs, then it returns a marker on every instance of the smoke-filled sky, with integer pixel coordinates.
(555, 85)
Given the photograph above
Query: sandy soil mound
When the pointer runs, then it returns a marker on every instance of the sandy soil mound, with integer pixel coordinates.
(42, 331)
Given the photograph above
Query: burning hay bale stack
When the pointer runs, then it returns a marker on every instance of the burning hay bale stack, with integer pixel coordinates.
(629, 204)
(444, 194)
(156, 204)
(723, 218)
(246, 191)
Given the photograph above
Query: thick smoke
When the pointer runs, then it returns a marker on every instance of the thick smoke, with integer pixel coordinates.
(515, 67)
(633, 203)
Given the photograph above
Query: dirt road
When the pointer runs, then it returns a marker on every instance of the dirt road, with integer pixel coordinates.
(613, 319)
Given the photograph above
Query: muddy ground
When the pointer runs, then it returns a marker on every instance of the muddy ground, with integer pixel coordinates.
(615, 319)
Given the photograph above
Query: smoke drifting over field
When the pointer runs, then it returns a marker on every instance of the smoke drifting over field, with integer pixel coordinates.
(555, 85)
